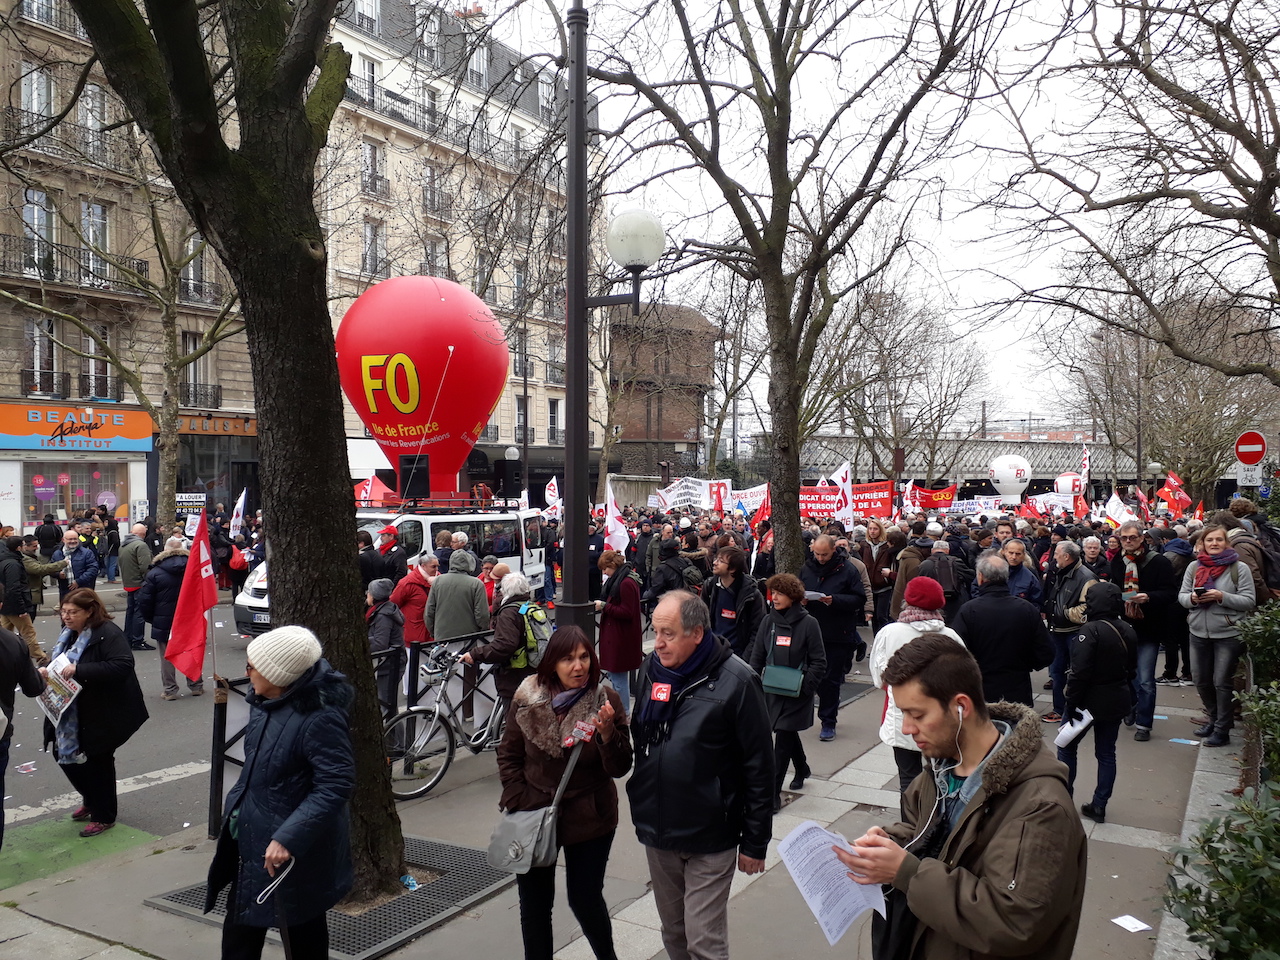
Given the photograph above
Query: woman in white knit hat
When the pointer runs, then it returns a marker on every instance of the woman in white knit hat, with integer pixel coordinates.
(289, 807)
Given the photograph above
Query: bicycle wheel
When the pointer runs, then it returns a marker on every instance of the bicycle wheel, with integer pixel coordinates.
(419, 745)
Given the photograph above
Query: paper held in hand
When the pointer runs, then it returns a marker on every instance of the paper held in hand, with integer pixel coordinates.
(59, 691)
(1070, 732)
(813, 595)
(836, 901)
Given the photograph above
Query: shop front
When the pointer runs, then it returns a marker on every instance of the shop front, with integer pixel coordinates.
(218, 456)
(61, 459)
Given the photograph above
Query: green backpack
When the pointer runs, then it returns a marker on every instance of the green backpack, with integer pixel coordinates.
(537, 633)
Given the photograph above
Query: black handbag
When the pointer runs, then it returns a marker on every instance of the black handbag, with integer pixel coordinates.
(781, 681)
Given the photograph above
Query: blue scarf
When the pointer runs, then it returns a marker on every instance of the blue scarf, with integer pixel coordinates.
(67, 735)
(656, 715)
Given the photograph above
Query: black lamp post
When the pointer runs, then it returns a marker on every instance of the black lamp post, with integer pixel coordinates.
(635, 241)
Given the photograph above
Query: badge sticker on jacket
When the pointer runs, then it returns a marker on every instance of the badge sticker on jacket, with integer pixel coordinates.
(661, 691)
(782, 641)
(729, 614)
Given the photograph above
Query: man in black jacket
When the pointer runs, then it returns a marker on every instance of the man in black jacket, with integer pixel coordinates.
(1065, 607)
(16, 670)
(372, 566)
(16, 610)
(735, 602)
(1150, 595)
(702, 791)
(1005, 634)
(50, 536)
(839, 612)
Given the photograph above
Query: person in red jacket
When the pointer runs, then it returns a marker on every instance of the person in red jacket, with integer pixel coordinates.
(621, 626)
(410, 595)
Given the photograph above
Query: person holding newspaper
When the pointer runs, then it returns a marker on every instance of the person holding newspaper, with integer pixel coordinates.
(106, 707)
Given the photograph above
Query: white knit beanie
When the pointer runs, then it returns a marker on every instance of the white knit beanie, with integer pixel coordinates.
(284, 654)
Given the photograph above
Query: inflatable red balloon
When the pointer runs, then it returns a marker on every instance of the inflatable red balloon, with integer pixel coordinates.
(423, 361)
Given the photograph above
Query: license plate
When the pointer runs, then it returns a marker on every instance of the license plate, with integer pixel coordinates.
(262, 618)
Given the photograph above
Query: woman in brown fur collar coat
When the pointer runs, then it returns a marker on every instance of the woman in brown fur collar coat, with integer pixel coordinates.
(566, 692)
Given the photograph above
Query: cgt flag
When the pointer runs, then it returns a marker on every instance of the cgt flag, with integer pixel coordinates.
(1173, 494)
(198, 595)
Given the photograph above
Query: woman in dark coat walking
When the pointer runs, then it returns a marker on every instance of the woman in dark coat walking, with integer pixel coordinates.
(1104, 661)
(789, 637)
(386, 635)
(532, 758)
(157, 601)
(290, 803)
(621, 627)
(108, 711)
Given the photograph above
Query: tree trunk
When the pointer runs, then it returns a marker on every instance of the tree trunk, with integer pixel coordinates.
(784, 458)
(291, 349)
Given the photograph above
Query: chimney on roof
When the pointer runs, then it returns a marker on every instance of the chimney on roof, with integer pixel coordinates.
(472, 14)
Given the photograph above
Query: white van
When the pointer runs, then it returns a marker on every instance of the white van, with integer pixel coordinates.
(512, 535)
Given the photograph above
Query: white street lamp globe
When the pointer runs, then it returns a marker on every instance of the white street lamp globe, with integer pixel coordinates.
(635, 239)
(511, 453)
(1153, 467)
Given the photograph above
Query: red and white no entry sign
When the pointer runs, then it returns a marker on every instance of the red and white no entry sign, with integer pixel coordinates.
(1251, 447)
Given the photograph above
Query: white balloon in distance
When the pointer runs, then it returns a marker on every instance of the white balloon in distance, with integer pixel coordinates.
(1010, 475)
(1069, 483)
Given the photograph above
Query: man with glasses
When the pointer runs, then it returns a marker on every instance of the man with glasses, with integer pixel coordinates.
(1150, 596)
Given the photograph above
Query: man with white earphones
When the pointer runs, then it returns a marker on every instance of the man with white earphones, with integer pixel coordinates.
(990, 858)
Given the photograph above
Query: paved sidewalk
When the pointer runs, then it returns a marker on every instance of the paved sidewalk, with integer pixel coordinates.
(1165, 789)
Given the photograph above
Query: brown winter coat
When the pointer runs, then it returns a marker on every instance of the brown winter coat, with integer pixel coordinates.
(1009, 880)
(909, 561)
(531, 761)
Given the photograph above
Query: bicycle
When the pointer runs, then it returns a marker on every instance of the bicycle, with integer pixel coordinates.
(422, 739)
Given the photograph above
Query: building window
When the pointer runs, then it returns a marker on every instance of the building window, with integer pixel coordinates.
(198, 371)
(367, 81)
(432, 100)
(93, 119)
(520, 283)
(40, 371)
(373, 179)
(37, 91)
(431, 36)
(521, 417)
(373, 260)
(95, 380)
(478, 67)
(367, 16)
(555, 359)
(37, 236)
(554, 434)
(484, 286)
(547, 99)
(94, 238)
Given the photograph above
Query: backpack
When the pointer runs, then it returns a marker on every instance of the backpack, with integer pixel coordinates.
(1270, 565)
(537, 633)
(691, 575)
(944, 567)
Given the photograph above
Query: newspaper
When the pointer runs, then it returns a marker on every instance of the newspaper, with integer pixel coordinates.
(836, 901)
(59, 691)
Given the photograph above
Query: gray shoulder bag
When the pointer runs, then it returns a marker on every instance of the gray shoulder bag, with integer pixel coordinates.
(524, 839)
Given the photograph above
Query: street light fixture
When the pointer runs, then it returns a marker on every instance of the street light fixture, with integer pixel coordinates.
(635, 240)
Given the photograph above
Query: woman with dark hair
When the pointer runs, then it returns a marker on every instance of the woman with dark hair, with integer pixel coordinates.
(621, 627)
(789, 637)
(563, 696)
(106, 713)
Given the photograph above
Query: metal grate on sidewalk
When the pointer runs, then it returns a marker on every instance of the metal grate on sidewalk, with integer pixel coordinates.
(465, 878)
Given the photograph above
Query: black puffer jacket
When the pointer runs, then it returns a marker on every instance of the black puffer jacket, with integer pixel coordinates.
(708, 787)
(17, 592)
(1007, 638)
(838, 579)
(158, 595)
(299, 774)
(1104, 657)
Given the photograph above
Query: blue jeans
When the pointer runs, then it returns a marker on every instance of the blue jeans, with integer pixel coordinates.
(134, 626)
(113, 568)
(1213, 666)
(1104, 750)
(621, 680)
(1144, 684)
(1058, 669)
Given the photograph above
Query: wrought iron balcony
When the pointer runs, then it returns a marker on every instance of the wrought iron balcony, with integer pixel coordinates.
(46, 383)
(366, 24)
(199, 291)
(437, 203)
(490, 433)
(555, 436)
(555, 373)
(522, 430)
(522, 366)
(68, 140)
(375, 266)
(76, 266)
(53, 13)
(100, 386)
(375, 185)
(207, 395)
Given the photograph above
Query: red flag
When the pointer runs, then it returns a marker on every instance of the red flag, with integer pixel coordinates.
(1199, 514)
(1143, 503)
(199, 595)
(1081, 507)
(1173, 494)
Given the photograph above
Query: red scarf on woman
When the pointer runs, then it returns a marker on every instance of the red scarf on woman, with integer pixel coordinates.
(1209, 566)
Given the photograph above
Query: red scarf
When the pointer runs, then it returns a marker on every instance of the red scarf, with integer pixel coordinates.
(385, 548)
(1209, 567)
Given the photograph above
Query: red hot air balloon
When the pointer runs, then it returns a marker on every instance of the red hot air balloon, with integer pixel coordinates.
(423, 361)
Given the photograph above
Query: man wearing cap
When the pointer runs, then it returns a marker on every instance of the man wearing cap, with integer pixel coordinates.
(395, 562)
(290, 803)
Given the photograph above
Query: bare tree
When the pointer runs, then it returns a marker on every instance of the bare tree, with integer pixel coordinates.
(734, 307)
(1160, 189)
(237, 110)
(716, 96)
